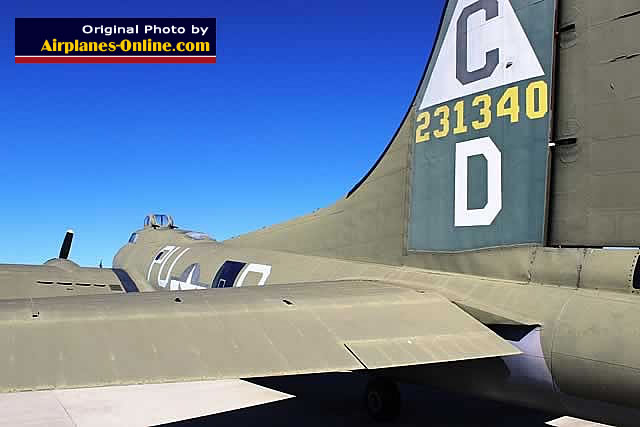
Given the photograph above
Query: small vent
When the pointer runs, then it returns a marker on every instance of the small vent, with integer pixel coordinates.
(568, 27)
(115, 288)
(568, 36)
(565, 141)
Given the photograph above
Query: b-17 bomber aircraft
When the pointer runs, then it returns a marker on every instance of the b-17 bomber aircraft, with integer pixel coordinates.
(492, 249)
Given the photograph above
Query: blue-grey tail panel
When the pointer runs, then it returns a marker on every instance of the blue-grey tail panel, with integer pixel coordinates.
(482, 128)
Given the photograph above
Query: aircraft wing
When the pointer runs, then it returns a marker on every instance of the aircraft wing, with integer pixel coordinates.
(61, 278)
(99, 340)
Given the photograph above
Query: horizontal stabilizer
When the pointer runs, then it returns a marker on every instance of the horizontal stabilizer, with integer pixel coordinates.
(160, 337)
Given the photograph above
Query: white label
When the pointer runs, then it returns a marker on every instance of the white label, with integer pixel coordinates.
(263, 270)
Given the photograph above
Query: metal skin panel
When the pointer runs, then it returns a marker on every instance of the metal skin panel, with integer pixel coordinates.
(406, 352)
(594, 192)
(212, 334)
(609, 371)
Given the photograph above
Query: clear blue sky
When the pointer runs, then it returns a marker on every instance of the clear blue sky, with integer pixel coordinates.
(303, 99)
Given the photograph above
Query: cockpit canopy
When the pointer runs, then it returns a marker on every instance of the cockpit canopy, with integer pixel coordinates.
(159, 221)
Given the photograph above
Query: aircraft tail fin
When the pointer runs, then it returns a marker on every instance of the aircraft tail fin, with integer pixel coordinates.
(467, 168)
(483, 161)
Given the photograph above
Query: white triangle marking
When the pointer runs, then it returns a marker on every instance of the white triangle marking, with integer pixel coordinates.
(503, 32)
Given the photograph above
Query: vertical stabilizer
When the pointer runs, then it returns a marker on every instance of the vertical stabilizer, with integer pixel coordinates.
(467, 167)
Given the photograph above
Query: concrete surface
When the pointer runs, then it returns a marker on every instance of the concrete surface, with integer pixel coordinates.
(136, 405)
(320, 400)
(337, 399)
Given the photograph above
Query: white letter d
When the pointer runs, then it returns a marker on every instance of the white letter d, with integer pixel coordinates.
(463, 216)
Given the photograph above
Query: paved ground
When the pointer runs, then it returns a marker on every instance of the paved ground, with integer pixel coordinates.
(306, 400)
(336, 399)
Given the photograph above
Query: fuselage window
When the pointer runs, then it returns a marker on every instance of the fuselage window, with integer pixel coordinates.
(133, 238)
(161, 220)
(196, 235)
(191, 274)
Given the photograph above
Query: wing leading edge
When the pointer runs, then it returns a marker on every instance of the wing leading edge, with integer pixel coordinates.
(101, 340)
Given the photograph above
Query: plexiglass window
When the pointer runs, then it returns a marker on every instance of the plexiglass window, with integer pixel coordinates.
(161, 220)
